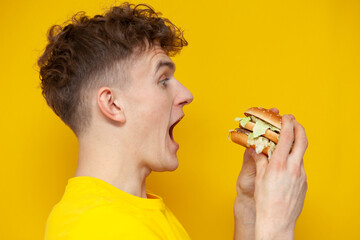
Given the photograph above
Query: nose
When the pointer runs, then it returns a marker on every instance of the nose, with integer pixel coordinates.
(184, 96)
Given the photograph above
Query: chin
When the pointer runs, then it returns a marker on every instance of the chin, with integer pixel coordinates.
(173, 166)
(167, 165)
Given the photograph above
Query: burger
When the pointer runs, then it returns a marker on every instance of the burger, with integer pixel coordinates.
(259, 129)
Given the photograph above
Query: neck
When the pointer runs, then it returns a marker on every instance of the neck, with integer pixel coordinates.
(112, 164)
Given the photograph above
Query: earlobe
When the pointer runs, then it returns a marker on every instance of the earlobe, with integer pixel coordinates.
(109, 105)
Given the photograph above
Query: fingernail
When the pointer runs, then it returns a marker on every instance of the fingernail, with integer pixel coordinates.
(292, 116)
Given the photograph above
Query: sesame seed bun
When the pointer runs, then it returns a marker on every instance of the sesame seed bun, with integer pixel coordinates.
(240, 135)
(265, 115)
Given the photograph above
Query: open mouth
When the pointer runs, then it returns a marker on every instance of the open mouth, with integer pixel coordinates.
(172, 127)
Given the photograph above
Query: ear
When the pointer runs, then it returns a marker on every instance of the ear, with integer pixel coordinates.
(109, 105)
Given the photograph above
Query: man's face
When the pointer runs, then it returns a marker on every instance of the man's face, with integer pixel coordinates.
(154, 104)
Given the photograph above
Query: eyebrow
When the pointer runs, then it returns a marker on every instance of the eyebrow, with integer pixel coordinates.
(169, 64)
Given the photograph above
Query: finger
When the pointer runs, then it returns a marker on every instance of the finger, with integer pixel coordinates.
(248, 162)
(303, 174)
(261, 162)
(300, 144)
(247, 156)
(275, 110)
(303, 170)
(248, 165)
(286, 140)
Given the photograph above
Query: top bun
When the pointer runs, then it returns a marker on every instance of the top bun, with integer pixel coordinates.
(265, 115)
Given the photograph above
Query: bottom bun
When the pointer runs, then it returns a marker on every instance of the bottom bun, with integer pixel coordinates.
(241, 139)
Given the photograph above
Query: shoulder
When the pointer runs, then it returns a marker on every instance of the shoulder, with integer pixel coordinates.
(108, 222)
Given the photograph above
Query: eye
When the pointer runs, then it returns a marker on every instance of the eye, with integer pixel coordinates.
(163, 82)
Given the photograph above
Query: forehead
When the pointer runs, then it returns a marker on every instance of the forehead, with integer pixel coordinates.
(145, 64)
(155, 55)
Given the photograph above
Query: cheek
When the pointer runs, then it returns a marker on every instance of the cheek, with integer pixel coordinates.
(151, 107)
(158, 105)
(155, 112)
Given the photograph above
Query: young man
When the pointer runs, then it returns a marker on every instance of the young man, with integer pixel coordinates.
(111, 80)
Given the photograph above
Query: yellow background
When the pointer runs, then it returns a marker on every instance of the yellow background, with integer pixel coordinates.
(302, 57)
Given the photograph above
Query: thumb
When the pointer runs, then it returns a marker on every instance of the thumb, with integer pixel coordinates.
(261, 162)
(247, 157)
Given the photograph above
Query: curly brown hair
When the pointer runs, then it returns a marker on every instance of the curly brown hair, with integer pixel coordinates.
(85, 54)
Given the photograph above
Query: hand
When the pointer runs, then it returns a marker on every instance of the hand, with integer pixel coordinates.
(281, 185)
(246, 180)
(244, 207)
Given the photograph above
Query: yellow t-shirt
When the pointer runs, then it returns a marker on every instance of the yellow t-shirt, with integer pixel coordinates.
(94, 209)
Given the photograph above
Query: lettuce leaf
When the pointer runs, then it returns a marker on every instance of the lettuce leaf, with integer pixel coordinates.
(243, 120)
